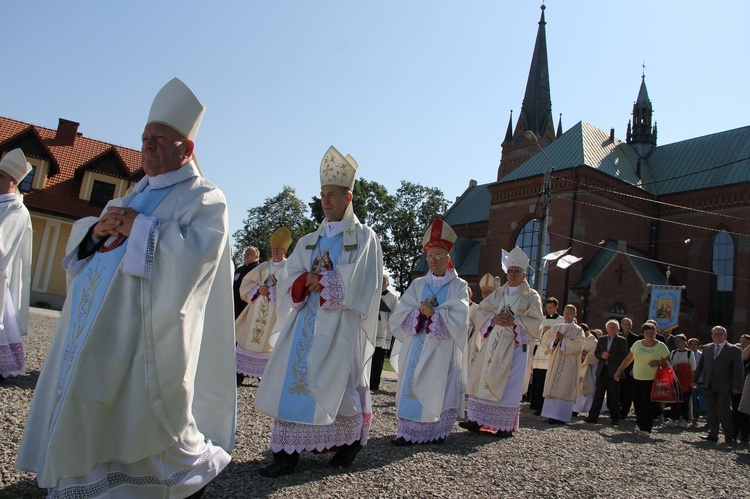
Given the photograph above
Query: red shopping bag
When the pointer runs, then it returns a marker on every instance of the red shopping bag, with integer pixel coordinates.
(666, 387)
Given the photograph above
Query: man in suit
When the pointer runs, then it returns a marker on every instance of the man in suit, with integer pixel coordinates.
(721, 367)
(611, 350)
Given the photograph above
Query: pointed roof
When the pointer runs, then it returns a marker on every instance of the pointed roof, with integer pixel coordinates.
(643, 101)
(536, 110)
(509, 131)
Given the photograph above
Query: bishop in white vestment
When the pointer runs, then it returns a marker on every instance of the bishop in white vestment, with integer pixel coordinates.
(315, 385)
(431, 321)
(15, 264)
(510, 318)
(137, 395)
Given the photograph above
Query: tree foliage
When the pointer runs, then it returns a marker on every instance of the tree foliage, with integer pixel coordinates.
(285, 209)
(399, 221)
(416, 206)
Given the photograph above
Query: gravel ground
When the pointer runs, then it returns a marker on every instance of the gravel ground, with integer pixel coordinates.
(575, 460)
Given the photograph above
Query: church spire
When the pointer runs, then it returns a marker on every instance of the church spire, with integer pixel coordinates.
(642, 135)
(559, 128)
(509, 131)
(536, 110)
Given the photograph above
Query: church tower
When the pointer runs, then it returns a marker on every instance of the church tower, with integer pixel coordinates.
(536, 110)
(640, 134)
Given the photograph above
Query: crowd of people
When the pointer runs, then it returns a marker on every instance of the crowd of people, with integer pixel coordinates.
(152, 344)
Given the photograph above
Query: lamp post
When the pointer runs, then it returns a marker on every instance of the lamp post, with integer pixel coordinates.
(544, 218)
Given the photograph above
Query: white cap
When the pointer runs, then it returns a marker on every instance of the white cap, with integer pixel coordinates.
(517, 258)
(14, 164)
(177, 107)
(335, 169)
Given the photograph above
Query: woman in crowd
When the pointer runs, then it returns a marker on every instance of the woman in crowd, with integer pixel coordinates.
(683, 363)
(646, 355)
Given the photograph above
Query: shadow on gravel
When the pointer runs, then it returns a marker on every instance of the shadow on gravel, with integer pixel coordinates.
(24, 489)
(25, 382)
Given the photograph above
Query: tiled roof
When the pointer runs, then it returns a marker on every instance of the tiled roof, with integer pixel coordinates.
(61, 190)
(583, 145)
(472, 206)
(715, 160)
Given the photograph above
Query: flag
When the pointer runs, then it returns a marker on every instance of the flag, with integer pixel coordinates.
(555, 254)
(665, 306)
(567, 261)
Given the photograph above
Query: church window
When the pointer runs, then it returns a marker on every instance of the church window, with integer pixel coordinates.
(617, 309)
(721, 296)
(528, 241)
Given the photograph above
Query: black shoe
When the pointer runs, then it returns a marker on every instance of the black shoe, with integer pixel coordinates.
(345, 456)
(472, 426)
(537, 413)
(710, 438)
(575, 414)
(554, 421)
(503, 434)
(591, 420)
(240, 379)
(729, 441)
(283, 464)
(615, 422)
(401, 442)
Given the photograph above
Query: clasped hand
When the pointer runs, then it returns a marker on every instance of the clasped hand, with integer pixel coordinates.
(312, 280)
(116, 221)
(504, 320)
(426, 309)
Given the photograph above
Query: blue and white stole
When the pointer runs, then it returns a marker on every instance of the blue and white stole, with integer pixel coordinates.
(408, 405)
(87, 292)
(296, 403)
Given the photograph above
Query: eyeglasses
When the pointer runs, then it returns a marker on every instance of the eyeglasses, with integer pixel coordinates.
(436, 258)
(514, 271)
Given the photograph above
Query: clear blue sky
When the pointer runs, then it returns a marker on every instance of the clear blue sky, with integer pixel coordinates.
(417, 90)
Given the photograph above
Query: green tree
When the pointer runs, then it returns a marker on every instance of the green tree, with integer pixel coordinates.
(416, 206)
(285, 209)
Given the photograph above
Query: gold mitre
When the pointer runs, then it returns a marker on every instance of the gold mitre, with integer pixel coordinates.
(177, 107)
(281, 237)
(488, 282)
(14, 164)
(517, 258)
(335, 169)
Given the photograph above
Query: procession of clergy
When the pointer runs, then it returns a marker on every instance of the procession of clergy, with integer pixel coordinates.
(137, 395)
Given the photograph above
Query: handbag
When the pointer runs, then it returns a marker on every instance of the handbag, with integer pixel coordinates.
(666, 387)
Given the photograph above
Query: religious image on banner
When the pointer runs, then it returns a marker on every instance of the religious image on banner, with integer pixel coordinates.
(665, 306)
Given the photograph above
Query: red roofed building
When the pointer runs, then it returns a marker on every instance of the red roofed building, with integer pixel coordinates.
(72, 177)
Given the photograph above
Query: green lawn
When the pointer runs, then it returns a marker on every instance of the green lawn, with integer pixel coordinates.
(387, 366)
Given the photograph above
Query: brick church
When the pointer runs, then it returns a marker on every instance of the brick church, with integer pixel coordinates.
(637, 212)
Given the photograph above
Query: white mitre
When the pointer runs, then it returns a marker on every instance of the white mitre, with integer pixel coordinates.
(488, 282)
(177, 107)
(517, 258)
(335, 169)
(14, 164)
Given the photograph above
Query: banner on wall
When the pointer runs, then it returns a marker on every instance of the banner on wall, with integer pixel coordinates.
(665, 306)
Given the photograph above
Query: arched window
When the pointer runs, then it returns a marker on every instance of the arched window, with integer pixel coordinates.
(617, 309)
(722, 281)
(528, 241)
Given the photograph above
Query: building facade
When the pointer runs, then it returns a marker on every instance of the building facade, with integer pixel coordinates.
(72, 177)
(634, 210)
